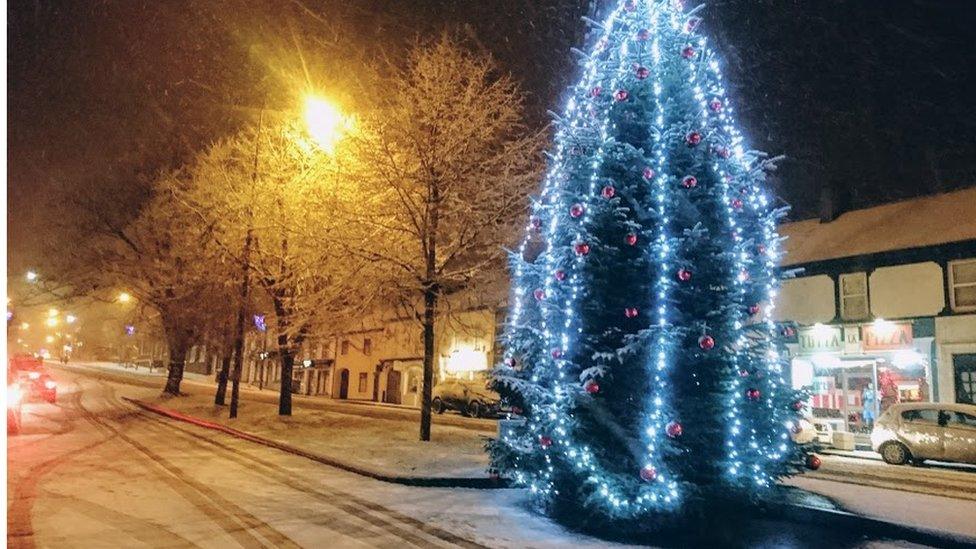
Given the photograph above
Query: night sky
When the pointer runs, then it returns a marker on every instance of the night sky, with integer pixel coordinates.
(872, 99)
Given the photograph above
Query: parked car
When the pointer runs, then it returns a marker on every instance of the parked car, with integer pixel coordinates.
(813, 430)
(917, 431)
(15, 394)
(470, 397)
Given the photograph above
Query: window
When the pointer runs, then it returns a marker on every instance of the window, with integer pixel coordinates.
(921, 416)
(344, 348)
(964, 370)
(962, 285)
(363, 380)
(854, 296)
(960, 419)
(367, 346)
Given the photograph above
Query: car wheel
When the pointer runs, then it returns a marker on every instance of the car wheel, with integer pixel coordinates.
(437, 406)
(895, 453)
(474, 409)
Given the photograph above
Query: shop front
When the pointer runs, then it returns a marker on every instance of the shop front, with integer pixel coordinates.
(854, 372)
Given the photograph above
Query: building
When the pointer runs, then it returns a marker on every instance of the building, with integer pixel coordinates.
(885, 300)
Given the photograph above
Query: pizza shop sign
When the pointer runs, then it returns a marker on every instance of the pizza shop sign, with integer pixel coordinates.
(882, 335)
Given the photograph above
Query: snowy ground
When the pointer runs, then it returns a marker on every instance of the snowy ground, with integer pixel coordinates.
(95, 472)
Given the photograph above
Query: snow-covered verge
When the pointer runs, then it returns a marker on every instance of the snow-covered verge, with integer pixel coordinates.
(386, 446)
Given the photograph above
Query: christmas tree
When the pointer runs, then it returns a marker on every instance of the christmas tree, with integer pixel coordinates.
(641, 349)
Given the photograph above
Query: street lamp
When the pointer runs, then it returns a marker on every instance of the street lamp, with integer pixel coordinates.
(70, 319)
(325, 122)
(31, 276)
(125, 297)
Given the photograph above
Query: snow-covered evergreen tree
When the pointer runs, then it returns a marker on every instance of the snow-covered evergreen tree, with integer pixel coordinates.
(641, 349)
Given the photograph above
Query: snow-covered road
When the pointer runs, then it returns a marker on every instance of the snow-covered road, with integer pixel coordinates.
(95, 472)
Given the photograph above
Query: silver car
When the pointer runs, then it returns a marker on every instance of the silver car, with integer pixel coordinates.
(917, 431)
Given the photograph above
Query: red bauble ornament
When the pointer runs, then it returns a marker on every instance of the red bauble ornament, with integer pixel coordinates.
(754, 309)
(557, 353)
(789, 331)
(648, 473)
(539, 294)
(535, 222)
(715, 105)
(723, 152)
(692, 23)
(582, 248)
(643, 34)
(595, 92)
(545, 441)
(753, 394)
(621, 95)
(684, 275)
(642, 73)
(560, 275)
(608, 191)
(673, 429)
(688, 52)
(798, 405)
(591, 386)
(648, 173)
(693, 138)
(736, 203)
(576, 210)
(631, 312)
(631, 239)
(706, 342)
(813, 462)
(689, 182)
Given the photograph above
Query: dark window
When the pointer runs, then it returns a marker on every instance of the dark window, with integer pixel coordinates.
(921, 416)
(964, 366)
(344, 348)
(363, 380)
(367, 346)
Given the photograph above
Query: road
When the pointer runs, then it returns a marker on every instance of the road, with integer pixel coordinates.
(92, 471)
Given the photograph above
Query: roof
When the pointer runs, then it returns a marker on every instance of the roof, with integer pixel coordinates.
(926, 221)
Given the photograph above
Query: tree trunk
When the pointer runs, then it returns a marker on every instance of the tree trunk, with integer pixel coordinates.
(177, 361)
(287, 367)
(221, 396)
(430, 304)
(235, 387)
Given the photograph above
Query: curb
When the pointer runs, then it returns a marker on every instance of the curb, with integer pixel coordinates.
(485, 483)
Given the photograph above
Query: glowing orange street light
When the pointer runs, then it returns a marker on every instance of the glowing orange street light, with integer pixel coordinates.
(125, 297)
(326, 124)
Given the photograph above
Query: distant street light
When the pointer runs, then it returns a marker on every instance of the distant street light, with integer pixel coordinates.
(51, 322)
(31, 276)
(325, 122)
(51, 313)
(125, 297)
(24, 326)
(70, 319)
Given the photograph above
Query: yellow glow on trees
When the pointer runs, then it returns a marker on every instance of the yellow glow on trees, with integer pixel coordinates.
(325, 122)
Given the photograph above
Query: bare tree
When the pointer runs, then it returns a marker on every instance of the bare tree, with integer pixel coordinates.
(445, 164)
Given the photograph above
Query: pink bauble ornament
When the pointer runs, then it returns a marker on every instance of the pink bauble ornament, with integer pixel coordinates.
(608, 191)
(621, 95)
(510, 362)
(715, 105)
(760, 249)
(688, 52)
(789, 331)
(545, 441)
(706, 342)
(535, 222)
(684, 275)
(689, 182)
(576, 210)
(631, 312)
(539, 294)
(642, 73)
(754, 309)
(693, 139)
(723, 152)
(743, 373)
(631, 239)
(673, 429)
(736, 203)
(692, 24)
(643, 34)
(647, 173)
(753, 394)
(557, 353)
(798, 405)
(560, 275)
(648, 473)
(581, 248)
(591, 386)
(595, 92)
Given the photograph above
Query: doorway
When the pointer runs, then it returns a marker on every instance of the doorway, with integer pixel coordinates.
(344, 384)
(392, 394)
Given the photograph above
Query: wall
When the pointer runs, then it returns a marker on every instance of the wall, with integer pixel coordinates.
(953, 335)
(907, 290)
